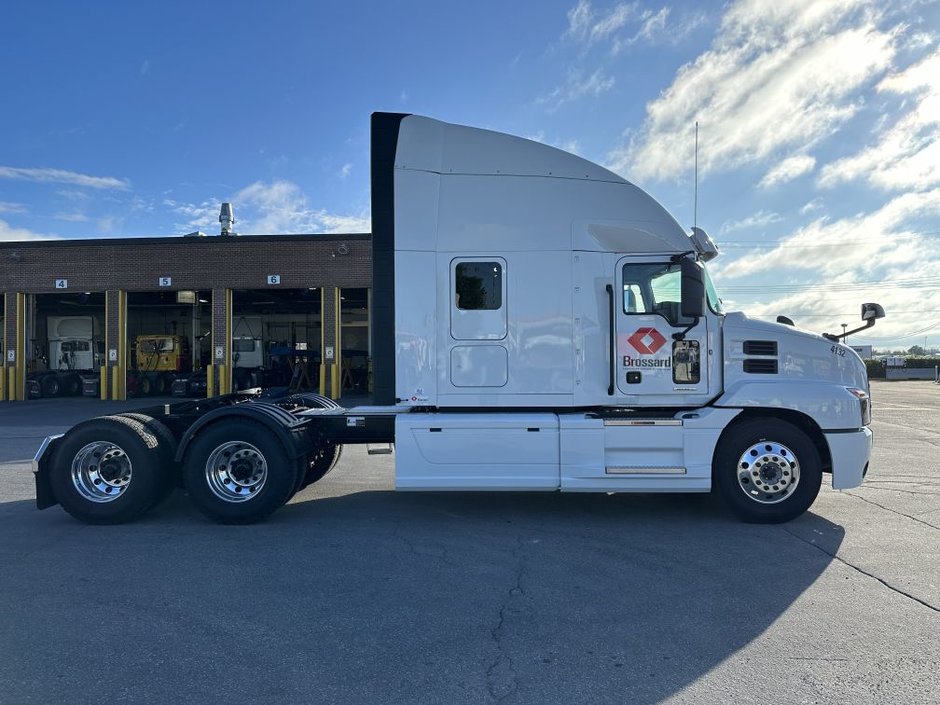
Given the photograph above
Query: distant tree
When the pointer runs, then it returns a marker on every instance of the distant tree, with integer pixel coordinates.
(915, 350)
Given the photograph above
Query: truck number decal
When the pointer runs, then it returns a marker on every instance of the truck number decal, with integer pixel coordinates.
(837, 350)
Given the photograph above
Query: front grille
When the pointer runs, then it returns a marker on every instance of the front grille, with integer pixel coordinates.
(761, 367)
(760, 347)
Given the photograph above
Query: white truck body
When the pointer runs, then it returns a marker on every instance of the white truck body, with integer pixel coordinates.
(73, 342)
(509, 390)
(248, 342)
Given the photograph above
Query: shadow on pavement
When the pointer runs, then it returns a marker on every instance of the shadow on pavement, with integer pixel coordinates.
(414, 598)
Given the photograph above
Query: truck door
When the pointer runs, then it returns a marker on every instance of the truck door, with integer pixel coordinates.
(660, 360)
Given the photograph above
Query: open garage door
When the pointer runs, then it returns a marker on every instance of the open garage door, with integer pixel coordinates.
(168, 342)
(276, 338)
(354, 314)
(65, 344)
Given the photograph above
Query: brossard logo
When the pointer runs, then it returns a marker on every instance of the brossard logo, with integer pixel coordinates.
(646, 341)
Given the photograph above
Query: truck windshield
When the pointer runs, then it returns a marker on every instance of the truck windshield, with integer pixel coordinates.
(714, 303)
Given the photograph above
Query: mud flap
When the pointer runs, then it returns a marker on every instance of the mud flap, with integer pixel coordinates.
(44, 496)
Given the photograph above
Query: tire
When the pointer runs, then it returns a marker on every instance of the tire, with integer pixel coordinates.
(73, 386)
(120, 489)
(145, 386)
(167, 445)
(159, 384)
(767, 470)
(237, 472)
(50, 386)
(320, 463)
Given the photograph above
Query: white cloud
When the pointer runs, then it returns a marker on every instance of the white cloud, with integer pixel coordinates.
(8, 233)
(779, 75)
(811, 206)
(7, 207)
(72, 217)
(622, 25)
(787, 170)
(144, 68)
(345, 171)
(278, 207)
(906, 155)
(830, 267)
(758, 220)
(576, 87)
(61, 176)
(858, 246)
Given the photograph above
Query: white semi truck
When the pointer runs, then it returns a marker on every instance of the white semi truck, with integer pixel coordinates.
(75, 355)
(539, 323)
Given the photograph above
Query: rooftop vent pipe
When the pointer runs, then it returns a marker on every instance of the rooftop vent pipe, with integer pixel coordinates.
(227, 218)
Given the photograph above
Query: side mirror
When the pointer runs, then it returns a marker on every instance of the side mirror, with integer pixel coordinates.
(870, 312)
(693, 289)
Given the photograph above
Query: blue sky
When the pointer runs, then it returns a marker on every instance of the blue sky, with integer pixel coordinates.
(819, 124)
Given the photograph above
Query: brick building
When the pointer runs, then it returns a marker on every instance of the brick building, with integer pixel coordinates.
(295, 291)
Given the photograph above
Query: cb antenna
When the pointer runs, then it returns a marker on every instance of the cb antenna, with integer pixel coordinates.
(695, 188)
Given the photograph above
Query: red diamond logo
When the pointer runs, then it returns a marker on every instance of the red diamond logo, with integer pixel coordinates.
(647, 340)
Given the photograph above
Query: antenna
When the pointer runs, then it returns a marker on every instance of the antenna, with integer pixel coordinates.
(695, 192)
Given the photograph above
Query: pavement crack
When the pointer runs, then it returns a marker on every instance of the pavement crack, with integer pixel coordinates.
(423, 553)
(864, 572)
(893, 511)
(502, 681)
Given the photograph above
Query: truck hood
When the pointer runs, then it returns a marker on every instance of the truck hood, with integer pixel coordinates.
(802, 355)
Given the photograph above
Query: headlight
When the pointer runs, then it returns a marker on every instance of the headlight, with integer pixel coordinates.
(864, 403)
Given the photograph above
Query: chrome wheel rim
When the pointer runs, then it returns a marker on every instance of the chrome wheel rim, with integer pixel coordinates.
(236, 471)
(101, 471)
(768, 472)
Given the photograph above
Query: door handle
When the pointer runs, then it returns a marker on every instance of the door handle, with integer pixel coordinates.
(613, 342)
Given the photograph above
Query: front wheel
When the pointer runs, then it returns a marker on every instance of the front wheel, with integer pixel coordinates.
(766, 470)
(238, 472)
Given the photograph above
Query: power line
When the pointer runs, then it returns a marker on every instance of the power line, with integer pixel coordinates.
(843, 243)
(925, 283)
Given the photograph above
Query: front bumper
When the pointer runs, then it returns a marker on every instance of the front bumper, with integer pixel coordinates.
(850, 452)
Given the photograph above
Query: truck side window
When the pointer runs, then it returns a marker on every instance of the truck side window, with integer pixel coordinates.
(479, 286)
(654, 288)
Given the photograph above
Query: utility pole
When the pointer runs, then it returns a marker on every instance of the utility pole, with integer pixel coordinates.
(844, 326)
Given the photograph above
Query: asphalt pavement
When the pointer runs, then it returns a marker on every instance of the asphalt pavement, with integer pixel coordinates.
(356, 594)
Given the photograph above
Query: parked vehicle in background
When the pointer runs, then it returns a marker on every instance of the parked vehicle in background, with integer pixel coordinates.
(75, 355)
(158, 360)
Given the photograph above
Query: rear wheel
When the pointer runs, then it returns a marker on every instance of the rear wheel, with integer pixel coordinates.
(767, 470)
(73, 385)
(108, 470)
(237, 472)
(167, 445)
(145, 386)
(319, 463)
(50, 386)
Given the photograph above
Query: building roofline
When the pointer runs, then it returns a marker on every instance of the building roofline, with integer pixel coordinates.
(180, 240)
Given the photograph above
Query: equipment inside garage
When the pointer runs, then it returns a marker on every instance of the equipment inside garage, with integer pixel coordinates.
(65, 334)
(168, 339)
(276, 338)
